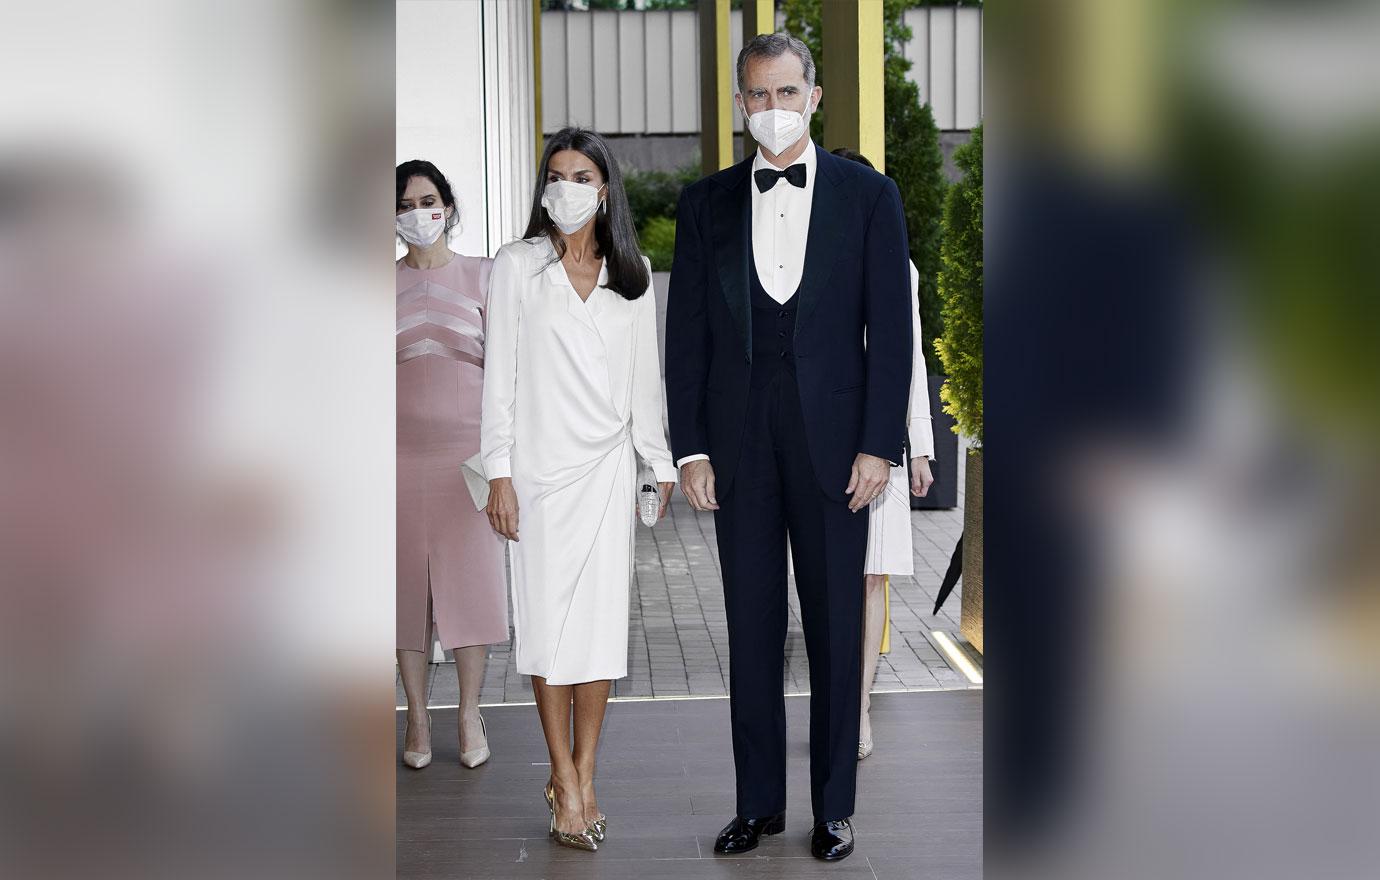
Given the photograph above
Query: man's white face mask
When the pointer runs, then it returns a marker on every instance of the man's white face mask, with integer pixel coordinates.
(777, 130)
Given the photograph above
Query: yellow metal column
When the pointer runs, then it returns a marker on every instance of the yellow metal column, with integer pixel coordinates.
(716, 87)
(851, 35)
(536, 77)
(759, 17)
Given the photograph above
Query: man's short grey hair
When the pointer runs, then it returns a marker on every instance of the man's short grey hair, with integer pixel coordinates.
(774, 46)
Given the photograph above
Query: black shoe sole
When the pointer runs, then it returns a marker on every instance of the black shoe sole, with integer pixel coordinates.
(837, 858)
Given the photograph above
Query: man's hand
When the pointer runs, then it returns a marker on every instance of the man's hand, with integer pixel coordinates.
(502, 508)
(920, 477)
(868, 480)
(697, 482)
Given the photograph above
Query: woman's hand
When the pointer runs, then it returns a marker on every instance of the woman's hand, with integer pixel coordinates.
(665, 489)
(920, 477)
(502, 508)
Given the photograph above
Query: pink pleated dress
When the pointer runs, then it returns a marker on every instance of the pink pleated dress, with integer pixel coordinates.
(444, 544)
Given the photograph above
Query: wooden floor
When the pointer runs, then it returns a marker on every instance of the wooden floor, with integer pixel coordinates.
(666, 784)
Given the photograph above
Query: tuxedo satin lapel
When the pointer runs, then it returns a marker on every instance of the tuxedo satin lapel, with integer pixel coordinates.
(824, 242)
(731, 207)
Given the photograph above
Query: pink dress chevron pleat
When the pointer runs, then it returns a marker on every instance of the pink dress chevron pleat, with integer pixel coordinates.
(444, 545)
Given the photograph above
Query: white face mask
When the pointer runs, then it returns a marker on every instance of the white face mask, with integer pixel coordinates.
(570, 204)
(422, 226)
(778, 130)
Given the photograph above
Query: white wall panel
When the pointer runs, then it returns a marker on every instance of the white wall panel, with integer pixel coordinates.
(968, 57)
(553, 76)
(657, 61)
(632, 60)
(735, 45)
(637, 72)
(579, 70)
(685, 71)
(941, 67)
(607, 74)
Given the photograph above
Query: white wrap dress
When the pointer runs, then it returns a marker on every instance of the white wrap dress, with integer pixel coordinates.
(889, 548)
(572, 396)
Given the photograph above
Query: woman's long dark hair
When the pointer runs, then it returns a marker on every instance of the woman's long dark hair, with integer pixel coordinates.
(422, 168)
(615, 237)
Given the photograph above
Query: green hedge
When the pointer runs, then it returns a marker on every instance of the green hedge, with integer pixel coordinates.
(652, 197)
(960, 289)
(658, 241)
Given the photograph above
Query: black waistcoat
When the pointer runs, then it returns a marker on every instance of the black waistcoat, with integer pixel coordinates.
(773, 332)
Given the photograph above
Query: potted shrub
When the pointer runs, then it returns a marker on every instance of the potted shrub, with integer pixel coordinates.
(960, 349)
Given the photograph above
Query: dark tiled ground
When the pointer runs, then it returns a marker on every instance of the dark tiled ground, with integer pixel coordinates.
(666, 783)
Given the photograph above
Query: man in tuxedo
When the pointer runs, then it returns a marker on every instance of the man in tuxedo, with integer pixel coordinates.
(784, 422)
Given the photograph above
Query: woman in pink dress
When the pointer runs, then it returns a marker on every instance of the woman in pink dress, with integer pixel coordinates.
(450, 562)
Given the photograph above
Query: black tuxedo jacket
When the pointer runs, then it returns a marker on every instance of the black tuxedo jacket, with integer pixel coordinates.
(853, 393)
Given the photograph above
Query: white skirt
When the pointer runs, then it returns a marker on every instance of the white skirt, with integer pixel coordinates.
(888, 533)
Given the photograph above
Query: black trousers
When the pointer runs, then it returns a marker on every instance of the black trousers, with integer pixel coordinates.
(775, 495)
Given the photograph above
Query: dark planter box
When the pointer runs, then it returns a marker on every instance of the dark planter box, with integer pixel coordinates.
(943, 495)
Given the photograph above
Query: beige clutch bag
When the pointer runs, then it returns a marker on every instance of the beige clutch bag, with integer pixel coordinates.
(473, 471)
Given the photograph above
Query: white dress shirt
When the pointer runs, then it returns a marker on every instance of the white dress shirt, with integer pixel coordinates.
(780, 228)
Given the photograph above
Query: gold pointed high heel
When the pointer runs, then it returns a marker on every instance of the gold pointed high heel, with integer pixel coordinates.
(585, 840)
(598, 829)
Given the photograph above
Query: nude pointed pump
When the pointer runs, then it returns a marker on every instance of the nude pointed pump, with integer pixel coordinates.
(418, 760)
(474, 757)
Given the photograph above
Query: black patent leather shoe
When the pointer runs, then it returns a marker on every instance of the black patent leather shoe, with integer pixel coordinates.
(832, 840)
(741, 835)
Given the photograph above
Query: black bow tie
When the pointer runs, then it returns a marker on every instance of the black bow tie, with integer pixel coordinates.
(767, 177)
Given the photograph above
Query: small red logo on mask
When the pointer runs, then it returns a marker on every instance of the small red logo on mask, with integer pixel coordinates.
(438, 215)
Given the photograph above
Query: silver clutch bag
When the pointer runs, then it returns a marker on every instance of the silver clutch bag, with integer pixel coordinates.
(475, 481)
(648, 504)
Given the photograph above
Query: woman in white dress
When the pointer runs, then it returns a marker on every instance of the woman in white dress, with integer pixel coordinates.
(889, 550)
(572, 397)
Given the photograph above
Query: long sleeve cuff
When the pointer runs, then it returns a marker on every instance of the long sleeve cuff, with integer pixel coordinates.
(682, 462)
(666, 472)
(498, 466)
(921, 438)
